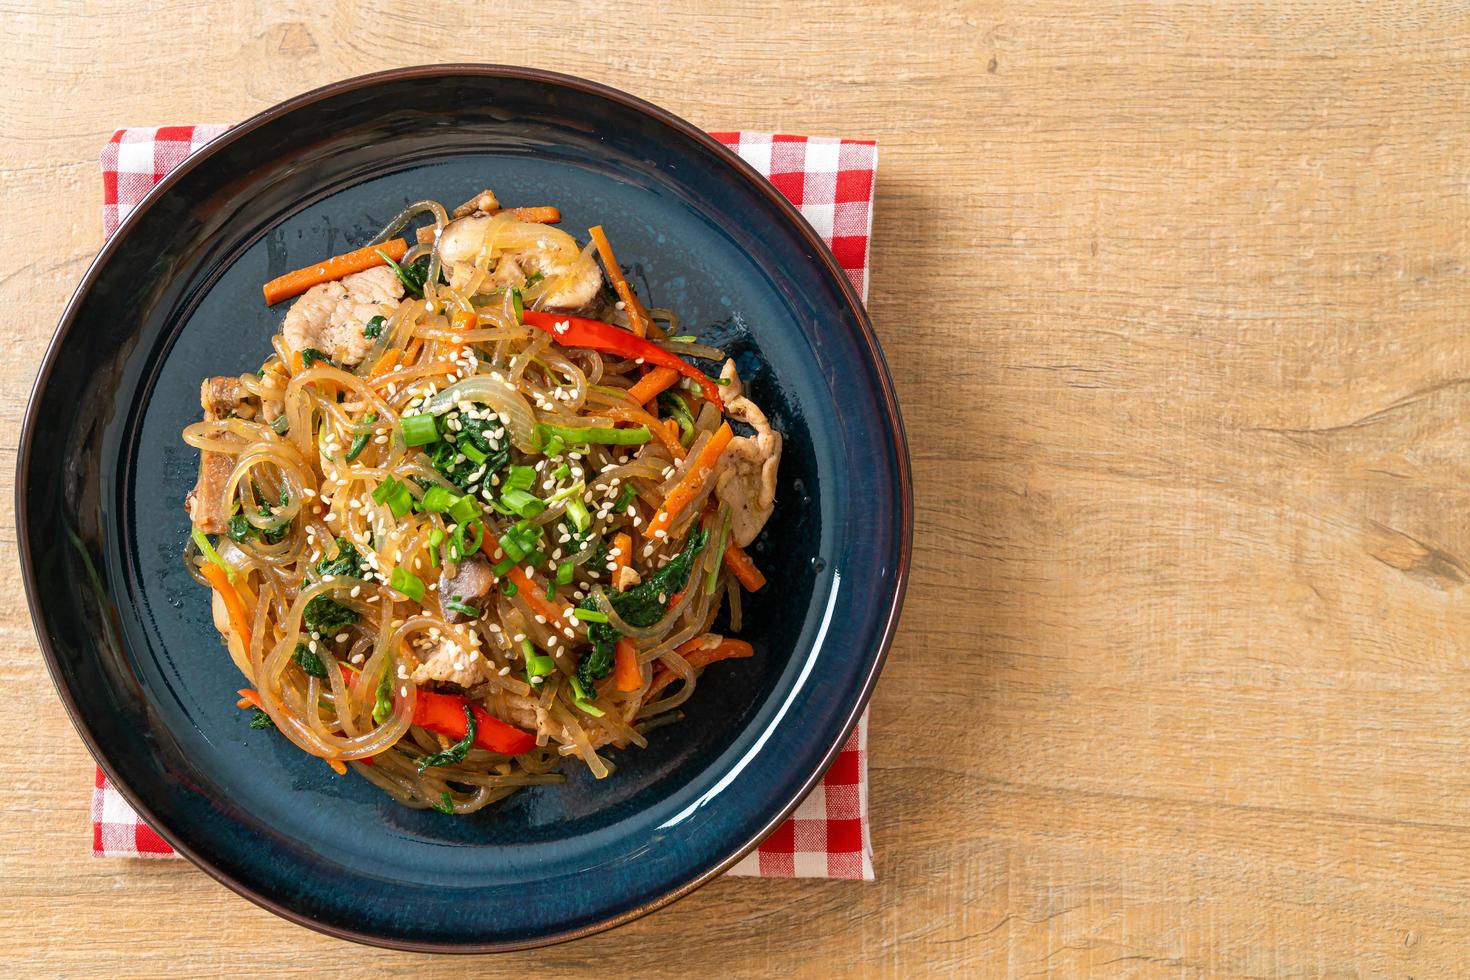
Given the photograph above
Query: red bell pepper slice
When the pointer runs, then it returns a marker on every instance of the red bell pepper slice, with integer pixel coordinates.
(443, 714)
(579, 331)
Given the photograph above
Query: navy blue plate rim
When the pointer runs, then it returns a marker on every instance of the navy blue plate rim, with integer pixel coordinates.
(820, 253)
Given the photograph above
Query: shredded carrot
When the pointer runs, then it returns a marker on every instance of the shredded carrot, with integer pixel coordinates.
(239, 619)
(655, 381)
(386, 363)
(627, 671)
(463, 321)
(699, 657)
(691, 482)
(672, 427)
(637, 316)
(544, 215)
(338, 766)
(743, 568)
(623, 545)
(412, 350)
(535, 596)
(298, 282)
(250, 699)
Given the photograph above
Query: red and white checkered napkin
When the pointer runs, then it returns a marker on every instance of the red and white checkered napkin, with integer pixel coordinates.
(831, 181)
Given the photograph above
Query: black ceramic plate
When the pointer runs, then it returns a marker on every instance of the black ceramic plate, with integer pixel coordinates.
(175, 296)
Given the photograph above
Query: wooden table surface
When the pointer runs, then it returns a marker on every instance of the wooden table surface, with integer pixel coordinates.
(1175, 296)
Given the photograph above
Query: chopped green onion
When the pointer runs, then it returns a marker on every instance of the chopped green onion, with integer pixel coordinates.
(406, 582)
(552, 446)
(473, 545)
(500, 568)
(436, 500)
(519, 477)
(636, 436)
(514, 548)
(536, 558)
(564, 573)
(419, 430)
(395, 495)
(687, 338)
(383, 708)
(590, 615)
(510, 589)
(561, 472)
(436, 538)
(464, 510)
(463, 608)
(515, 299)
(522, 503)
(360, 441)
(537, 665)
(577, 511)
(550, 588)
(471, 451)
(207, 549)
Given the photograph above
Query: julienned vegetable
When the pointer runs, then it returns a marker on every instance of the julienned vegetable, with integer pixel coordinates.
(577, 331)
(444, 714)
(298, 282)
(455, 754)
(691, 482)
(576, 436)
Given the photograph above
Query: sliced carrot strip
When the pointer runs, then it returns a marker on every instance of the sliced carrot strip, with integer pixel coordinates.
(743, 568)
(627, 671)
(698, 658)
(638, 317)
(535, 596)
(239, 618)
(655, 381)
(623, 545)
(386, 363)
(297, 282)
(544, 215)
(691, 482)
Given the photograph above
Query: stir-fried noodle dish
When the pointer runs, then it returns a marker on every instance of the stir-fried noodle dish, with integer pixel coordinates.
(476, 514)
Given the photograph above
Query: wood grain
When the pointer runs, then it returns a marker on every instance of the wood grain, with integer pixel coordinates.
(1175, 297)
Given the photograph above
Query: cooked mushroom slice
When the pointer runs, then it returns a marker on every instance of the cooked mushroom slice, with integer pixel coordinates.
(470, 584)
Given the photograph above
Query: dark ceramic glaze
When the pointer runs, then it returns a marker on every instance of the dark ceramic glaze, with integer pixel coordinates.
(175, 296)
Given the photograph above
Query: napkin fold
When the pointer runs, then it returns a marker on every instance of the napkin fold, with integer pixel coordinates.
(831, 183)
